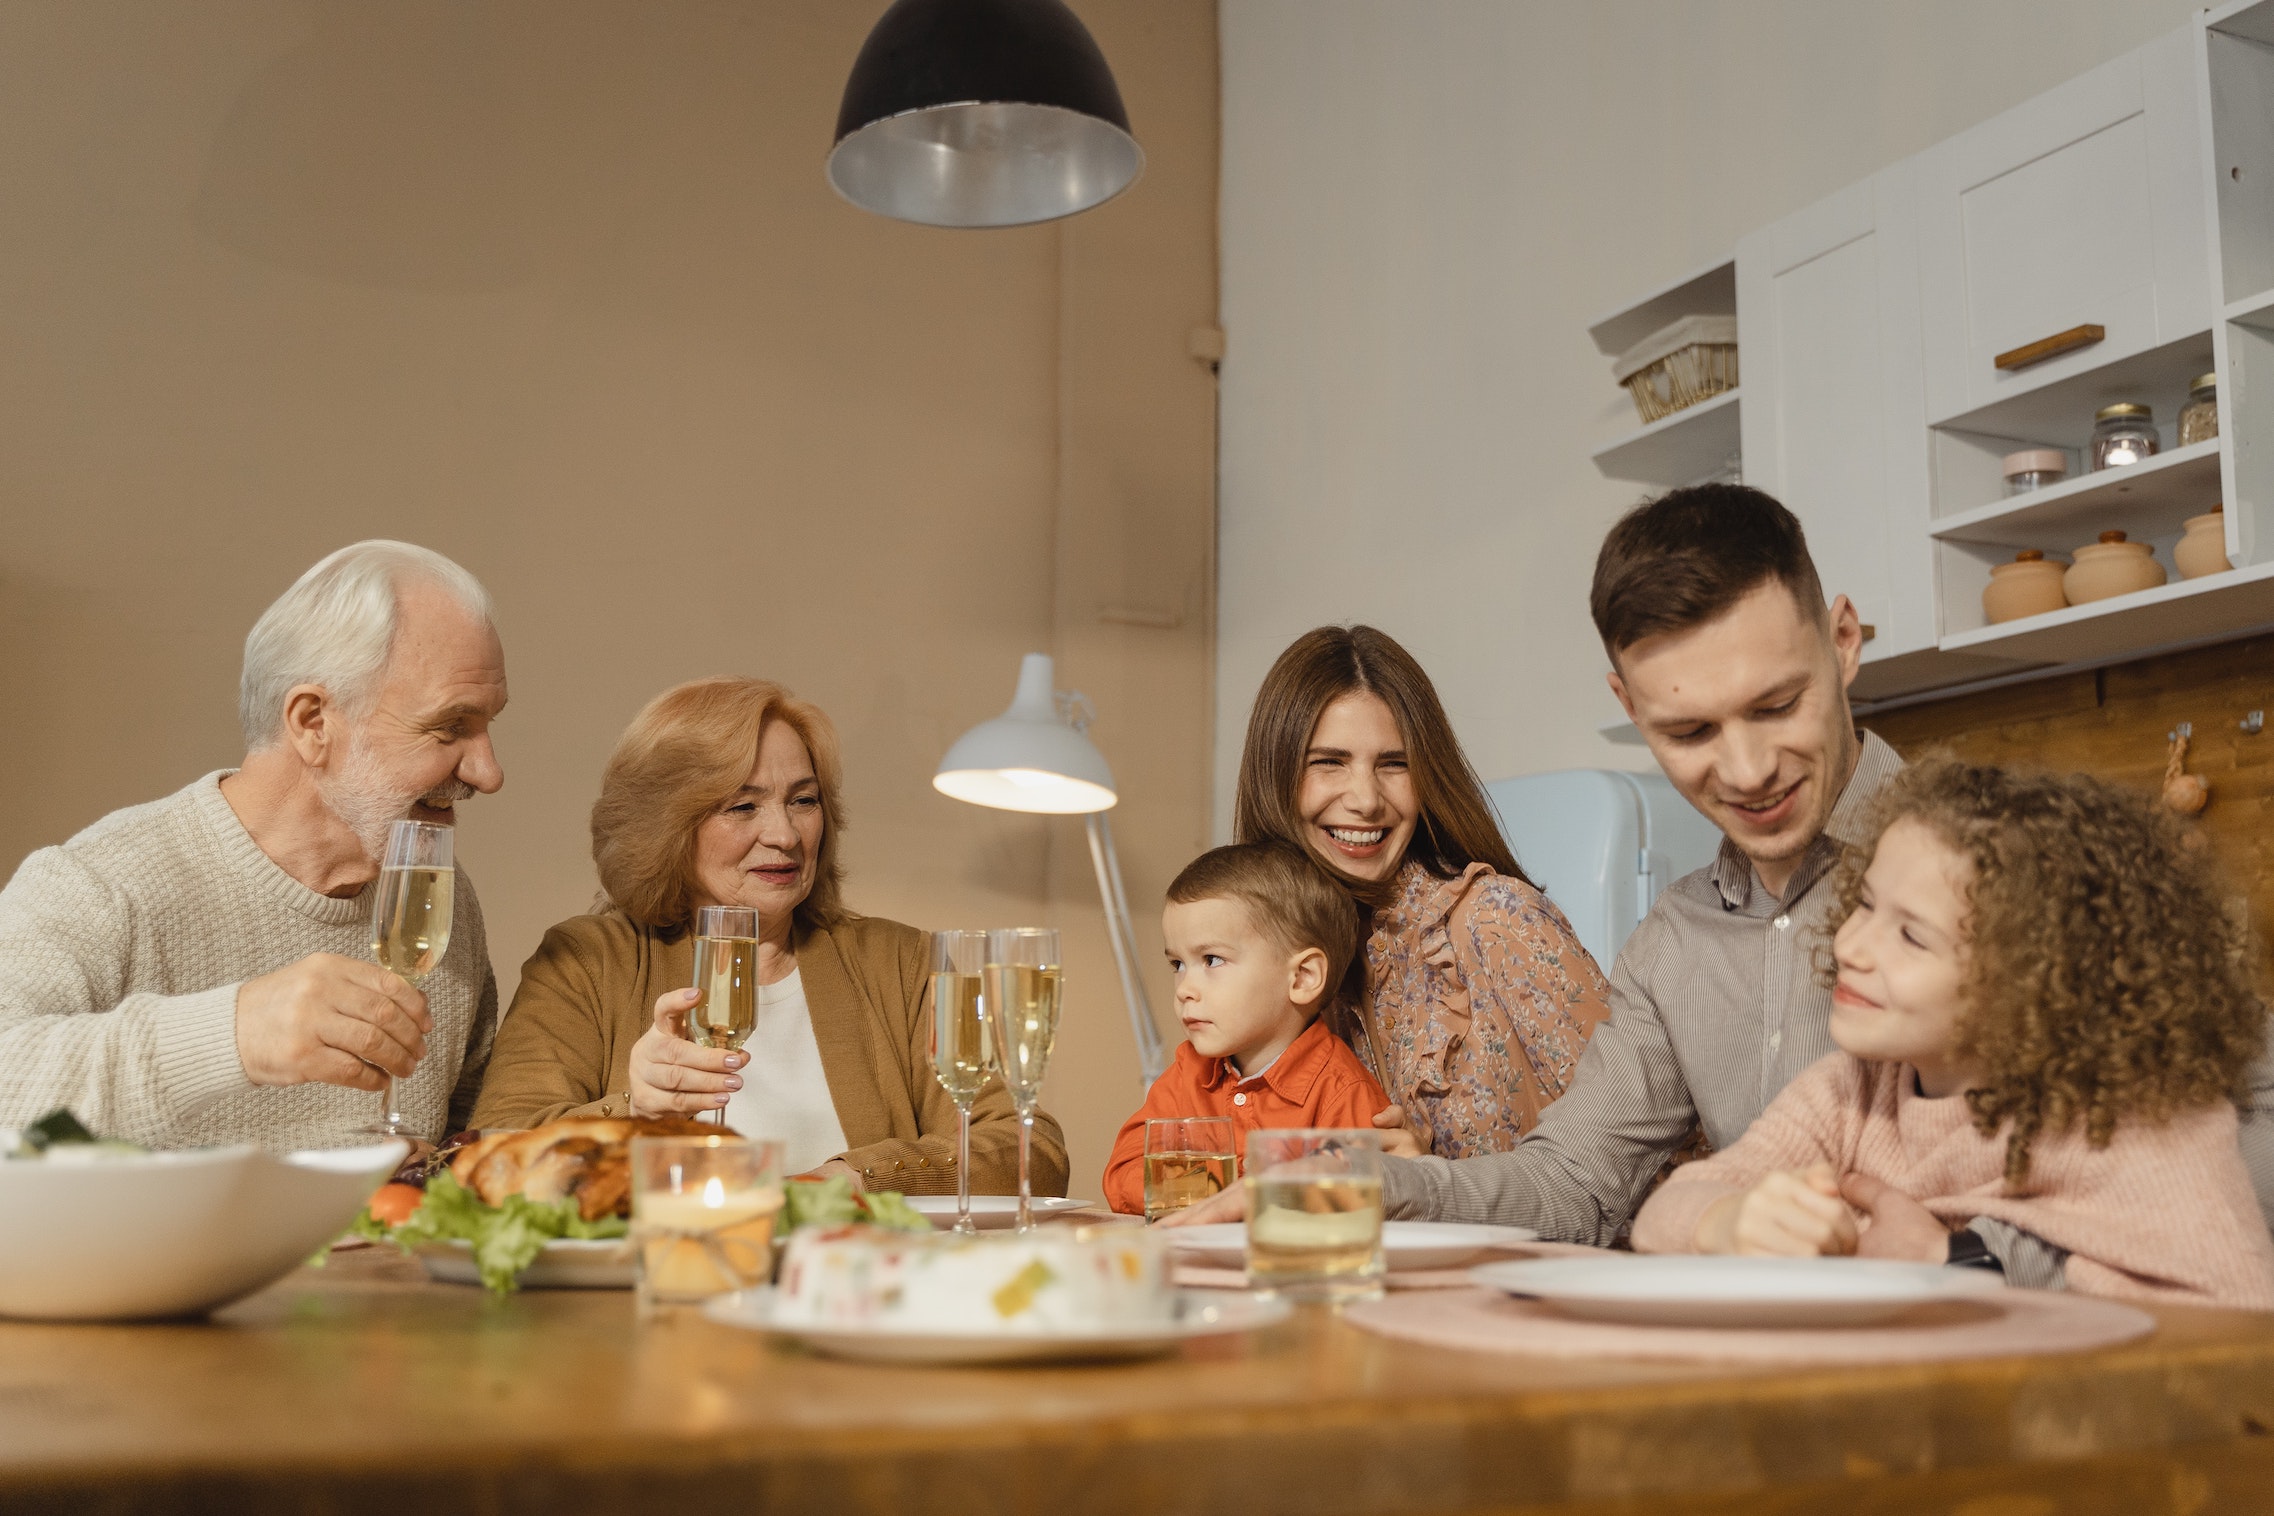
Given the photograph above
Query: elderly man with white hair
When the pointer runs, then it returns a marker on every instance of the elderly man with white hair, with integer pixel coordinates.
(198, 970)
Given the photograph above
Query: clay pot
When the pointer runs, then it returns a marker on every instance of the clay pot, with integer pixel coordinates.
(2028, 586)
(2111, 566)
(2204, 549)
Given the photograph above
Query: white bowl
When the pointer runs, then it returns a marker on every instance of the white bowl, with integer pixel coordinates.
(171, 1234)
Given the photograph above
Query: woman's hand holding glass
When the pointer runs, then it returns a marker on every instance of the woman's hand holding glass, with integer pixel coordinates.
(671, 1076)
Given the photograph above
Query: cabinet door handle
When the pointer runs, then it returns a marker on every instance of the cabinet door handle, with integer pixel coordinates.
(2051, 347)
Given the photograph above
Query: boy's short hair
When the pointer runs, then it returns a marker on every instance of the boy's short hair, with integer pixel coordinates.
(1685, 558)
(1289, 898)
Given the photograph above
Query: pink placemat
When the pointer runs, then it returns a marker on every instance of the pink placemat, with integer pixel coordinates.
(1201, 1276)
(2011, 1323)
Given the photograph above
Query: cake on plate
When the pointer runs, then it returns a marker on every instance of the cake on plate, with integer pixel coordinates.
(1077, 1279)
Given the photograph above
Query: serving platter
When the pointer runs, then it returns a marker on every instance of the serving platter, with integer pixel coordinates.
(567, 1263)
(992, 1213)
(1211, 1313)
(1405, 1244)
(1684, 1291)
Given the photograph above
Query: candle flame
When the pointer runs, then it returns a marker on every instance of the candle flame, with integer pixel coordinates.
(714, 1192)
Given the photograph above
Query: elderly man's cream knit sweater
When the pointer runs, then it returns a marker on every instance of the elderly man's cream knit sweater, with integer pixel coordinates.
(120, 956)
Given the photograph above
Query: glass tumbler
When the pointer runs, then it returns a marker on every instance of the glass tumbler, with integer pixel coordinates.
(1315, 1212)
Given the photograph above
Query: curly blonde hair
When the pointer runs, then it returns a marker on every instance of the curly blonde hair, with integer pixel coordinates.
(682, 758)
(2103, 979)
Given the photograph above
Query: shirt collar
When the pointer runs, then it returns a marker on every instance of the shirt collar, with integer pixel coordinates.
(1291, 1074)
(1876, 763)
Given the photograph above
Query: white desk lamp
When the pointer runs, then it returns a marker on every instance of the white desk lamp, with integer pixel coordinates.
(1037, 757)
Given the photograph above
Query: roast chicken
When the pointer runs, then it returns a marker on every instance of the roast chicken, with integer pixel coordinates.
(584, 1158)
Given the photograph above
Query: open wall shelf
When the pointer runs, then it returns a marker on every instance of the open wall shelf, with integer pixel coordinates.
(1683, 448)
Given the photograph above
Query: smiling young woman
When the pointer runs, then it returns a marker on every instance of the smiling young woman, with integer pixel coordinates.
(1473, 997)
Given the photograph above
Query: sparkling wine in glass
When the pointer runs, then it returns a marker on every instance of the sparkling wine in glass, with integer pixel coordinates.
(1021, 985)
(960, 1044)
(726, 971)
(410, 918)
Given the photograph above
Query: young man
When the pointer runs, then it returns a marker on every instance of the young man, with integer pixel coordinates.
(198, 970)
(1258, 939)
(1724, 653)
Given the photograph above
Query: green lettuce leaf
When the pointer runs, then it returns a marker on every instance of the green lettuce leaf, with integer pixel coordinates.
(889, 1208)
(505, 1238)
(834, 1202)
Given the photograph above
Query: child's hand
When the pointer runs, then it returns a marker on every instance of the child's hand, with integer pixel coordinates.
(1900, 1226)
(1398, 1139)
(1225, 1205)
(1789, 1215)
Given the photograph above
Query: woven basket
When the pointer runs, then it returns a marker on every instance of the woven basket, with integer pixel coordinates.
(1674, 368)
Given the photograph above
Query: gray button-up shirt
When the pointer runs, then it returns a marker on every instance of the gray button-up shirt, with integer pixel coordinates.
(1716, 1003)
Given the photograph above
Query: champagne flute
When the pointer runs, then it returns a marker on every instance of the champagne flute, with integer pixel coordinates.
(410, 918)
(960, 1053)
(1021, 985)
(726, 972)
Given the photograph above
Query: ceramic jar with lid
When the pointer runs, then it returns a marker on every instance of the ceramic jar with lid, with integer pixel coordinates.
(2122, 434)
(2028, 586)
(2033, 468)
(2199, 418)
(2203, 550)
(2111, 566)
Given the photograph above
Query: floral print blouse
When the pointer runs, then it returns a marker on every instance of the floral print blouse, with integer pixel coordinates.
(1479, 999)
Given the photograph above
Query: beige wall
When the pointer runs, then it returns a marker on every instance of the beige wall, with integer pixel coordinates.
(1426, 203)
(560, 289)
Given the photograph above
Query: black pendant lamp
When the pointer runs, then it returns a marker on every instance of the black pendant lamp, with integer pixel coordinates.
(981, 113)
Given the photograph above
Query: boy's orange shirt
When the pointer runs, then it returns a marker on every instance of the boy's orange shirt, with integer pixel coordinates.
(1318, 1081)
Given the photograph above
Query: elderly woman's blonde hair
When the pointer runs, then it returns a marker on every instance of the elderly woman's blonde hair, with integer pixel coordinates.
(682, 759)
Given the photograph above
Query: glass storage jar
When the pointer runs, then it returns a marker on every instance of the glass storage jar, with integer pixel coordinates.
(2121, 434)
(2033, 468)
(2199, 418)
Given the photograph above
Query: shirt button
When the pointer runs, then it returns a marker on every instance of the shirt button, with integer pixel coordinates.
(1240, 1099)
(1782, 922)
(1776, 1041)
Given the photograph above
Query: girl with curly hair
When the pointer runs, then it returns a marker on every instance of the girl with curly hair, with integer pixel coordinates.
(2047, 1022)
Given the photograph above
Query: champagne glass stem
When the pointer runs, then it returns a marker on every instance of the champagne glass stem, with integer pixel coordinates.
(1026, 1187)
(963, 1221)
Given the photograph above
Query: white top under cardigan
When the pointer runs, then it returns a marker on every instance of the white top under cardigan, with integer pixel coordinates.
(785, 1094)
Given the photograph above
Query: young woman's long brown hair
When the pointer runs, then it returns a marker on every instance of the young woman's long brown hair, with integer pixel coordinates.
(1456, 827)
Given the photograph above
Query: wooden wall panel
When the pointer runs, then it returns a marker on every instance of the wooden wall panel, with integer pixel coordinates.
(2114, 723)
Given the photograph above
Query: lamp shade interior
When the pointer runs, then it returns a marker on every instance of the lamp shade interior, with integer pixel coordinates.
(977, 113)
(1027, 759)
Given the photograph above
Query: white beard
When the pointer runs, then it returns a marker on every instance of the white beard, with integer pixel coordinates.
(368, 805)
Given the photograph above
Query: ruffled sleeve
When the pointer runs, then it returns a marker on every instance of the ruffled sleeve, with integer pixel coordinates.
(1513, 1000)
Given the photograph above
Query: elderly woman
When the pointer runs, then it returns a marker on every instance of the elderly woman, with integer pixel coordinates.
(726, 792)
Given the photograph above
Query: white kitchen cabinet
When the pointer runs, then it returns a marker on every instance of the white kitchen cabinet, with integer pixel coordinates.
(2083, 206)
(1834, 423)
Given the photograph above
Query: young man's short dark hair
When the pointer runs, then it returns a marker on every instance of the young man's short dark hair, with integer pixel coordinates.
(1688, 556)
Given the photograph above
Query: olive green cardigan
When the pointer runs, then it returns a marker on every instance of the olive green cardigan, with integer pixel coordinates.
(589, 992)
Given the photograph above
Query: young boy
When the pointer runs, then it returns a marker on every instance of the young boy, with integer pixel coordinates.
(1258, 940)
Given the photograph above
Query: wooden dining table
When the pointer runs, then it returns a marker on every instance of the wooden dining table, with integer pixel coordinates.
(363, 1387)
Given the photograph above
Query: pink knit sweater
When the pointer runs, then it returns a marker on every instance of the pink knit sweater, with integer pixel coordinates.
(2164, 1212)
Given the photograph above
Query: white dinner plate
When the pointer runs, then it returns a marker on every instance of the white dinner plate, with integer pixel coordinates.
(567, 1263)
(1405, 1244)
(1679, 1290)
(1209, 1313)
(991, 1213)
